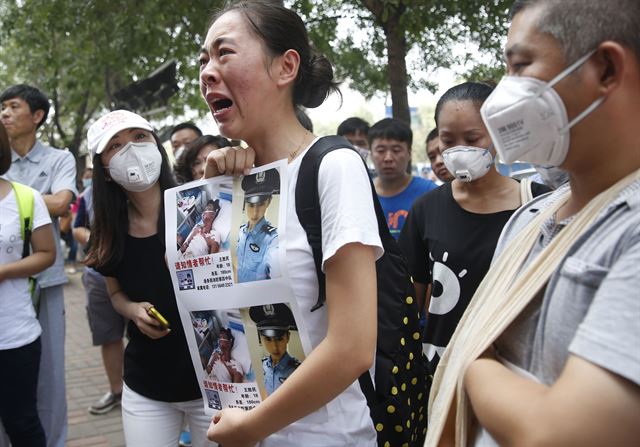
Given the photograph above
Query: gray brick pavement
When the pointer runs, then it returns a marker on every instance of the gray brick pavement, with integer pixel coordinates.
(86, 380)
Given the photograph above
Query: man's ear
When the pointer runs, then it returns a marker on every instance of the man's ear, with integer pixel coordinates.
(288, 67)
(37, 116)
(611, 60)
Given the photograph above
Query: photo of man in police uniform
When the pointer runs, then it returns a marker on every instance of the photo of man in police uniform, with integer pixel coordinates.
(257, 248)
(274, 323)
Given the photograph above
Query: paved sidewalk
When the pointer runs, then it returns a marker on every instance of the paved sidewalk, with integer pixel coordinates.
(86, 380)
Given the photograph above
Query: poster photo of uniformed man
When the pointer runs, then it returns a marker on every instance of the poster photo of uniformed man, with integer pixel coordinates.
(277, 347)
(256, 222)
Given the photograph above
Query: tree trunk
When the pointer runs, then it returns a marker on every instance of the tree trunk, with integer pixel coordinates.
(81, 162)
(397, 68)
(397, 71)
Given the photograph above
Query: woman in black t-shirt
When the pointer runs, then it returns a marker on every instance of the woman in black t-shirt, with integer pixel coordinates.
(131, 173)
(451, 233)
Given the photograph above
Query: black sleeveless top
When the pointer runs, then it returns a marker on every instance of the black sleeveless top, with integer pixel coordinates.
(158, 369)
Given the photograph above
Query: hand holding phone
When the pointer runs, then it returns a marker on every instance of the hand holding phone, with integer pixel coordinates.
(153, 313)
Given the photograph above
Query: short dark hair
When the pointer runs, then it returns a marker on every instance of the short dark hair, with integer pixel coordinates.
(183, 167)
(281, 29)
(476, 92)
(186, 125)
(433, 134)
(579, 26)
(228, 335)
(353, 125)
(393, 129)
(5, 150)
(36, 99)
(215, 204)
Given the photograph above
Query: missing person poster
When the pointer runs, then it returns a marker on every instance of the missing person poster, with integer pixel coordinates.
(245, 354)
(225, 243)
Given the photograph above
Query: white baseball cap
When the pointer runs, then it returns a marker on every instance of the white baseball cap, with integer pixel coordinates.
(110, 124)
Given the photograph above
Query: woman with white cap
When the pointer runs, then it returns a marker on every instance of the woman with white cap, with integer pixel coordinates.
(131, 172)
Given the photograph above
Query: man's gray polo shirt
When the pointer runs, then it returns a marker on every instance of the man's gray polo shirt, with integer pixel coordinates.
(591, 305)
(49, 171)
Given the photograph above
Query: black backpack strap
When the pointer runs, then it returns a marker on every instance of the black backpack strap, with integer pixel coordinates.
(308, 211)
(26, 250)
(308, 203)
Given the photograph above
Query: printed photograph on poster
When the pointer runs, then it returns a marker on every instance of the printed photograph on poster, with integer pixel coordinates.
(245, 354)
(275, 346)
(203, 221)
(229, 380)
(254, 227)
(203, 216)
(185, 279)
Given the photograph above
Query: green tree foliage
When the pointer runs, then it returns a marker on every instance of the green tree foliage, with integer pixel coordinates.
(369, 40)
(82, 51)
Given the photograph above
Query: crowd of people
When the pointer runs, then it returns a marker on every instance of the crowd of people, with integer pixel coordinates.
(528, 291)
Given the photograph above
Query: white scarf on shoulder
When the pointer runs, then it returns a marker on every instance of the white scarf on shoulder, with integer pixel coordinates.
(500, 298)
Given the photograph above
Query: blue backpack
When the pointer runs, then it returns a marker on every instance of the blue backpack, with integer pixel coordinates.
(398, 399)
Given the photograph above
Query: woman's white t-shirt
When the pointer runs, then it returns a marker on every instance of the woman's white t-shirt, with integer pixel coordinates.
(347, 216)
(18, 323)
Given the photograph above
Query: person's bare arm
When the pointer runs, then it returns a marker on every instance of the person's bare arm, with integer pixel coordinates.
(423, 296)
(351, 292)
(236, 376)
(195, 230)
(81, 235)
(586, 406)
(136, 312)
(58, 203)
(42, 256)
(448, 436)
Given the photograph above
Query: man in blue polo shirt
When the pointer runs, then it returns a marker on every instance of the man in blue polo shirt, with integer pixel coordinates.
(52, 172)
(390, 142)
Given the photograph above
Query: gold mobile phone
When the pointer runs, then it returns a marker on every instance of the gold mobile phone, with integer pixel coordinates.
(153, 312)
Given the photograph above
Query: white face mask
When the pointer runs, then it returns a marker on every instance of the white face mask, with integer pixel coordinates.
(552, 176)
(467, 163)
(136, 167)
(364, 153)
(527, 119)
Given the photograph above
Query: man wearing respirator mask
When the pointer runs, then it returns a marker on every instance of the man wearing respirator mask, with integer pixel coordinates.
(553, 327)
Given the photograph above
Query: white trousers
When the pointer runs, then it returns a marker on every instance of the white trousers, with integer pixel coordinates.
(153, 423)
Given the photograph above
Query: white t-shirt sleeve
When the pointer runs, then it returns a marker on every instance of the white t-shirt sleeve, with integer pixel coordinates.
(346, 204)
(40, 212)
(64, 171)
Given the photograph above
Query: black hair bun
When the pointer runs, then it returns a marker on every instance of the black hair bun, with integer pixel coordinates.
(315, 82)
